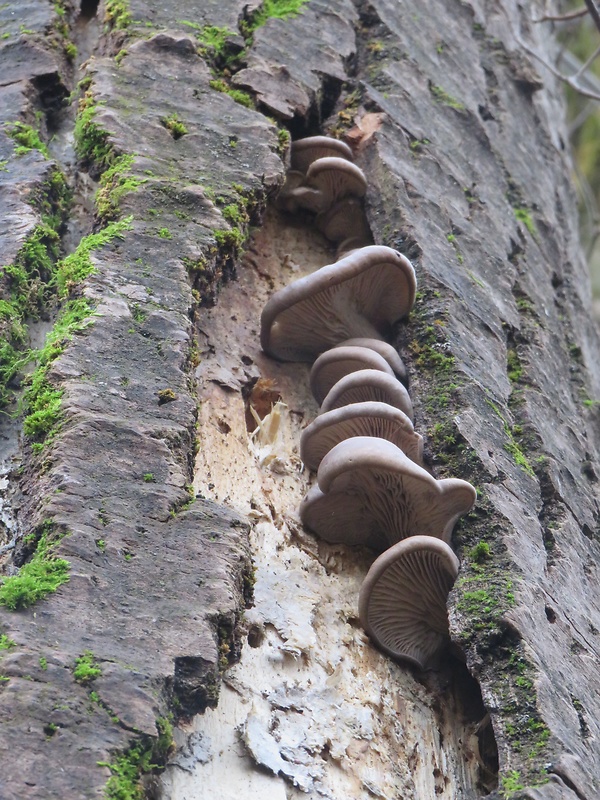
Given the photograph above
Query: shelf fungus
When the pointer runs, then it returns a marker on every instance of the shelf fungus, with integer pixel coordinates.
(370, 493)
(305, 151)
(327, 181)
(332, 365)
(359, 419)
(384, 349)
(344, 220)
(362, 295)
(368, 385)
(402, 602)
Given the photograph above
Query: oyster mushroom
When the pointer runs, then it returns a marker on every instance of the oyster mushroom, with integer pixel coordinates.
(359, 419)
(334, 364)
(384, 349)
(345, 220)
(402, 602)
(305, 151)
(368, 385)
(327, 180)
(362, 295)
(370, 493)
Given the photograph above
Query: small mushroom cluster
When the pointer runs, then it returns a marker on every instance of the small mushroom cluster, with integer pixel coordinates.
(372, 488)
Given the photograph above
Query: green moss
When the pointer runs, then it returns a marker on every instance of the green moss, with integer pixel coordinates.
(148, 477)
(42, 400)
(114, 184)
(216, 46)
(271, 9)
(243, 98)
(86, 669)
(71, 51)
(6, 643)
(511, 784)
(512, 446)
(283, 140)
(40, 576)
(91, 140)
(164, 233)
(523, 215)
(27, 138)
(117, 14)
(43, 662)
(146, 755)
(78, 265)
(441, 96)
(513, 364)
(480, 553)
(175, 126)
(233, 238)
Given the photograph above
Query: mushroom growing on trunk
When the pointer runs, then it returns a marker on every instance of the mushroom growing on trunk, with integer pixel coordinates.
(359, 419)
(362, 295)
(332, 365)
(305, 151)
(370, 493)
(402, 602)
(384, 349)
(368, 385)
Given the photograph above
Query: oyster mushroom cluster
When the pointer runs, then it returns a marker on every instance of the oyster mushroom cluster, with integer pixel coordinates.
(372, 488)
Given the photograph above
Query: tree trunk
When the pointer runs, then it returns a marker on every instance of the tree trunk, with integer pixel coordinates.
(196, 606)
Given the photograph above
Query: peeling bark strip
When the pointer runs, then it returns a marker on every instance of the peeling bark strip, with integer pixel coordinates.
(467, 176)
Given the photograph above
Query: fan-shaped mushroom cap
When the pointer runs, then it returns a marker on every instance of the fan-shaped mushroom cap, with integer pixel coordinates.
(336, 179)
(402, 602)
(305, 151)
(359, 419)
(344, 220)
(368, 385)
(334, 364)
(384, 349)
(369, 492)
(360, 296)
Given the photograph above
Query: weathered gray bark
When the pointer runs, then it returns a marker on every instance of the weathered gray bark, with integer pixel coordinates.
(463, 145)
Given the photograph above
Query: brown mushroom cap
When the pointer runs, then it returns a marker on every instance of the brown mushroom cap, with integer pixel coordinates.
(359, 419)
(360, 296)
(384, 349)
(370, 493)
(345, 219)
(305, 151)
(336, 179)
(402, 602)
(334, 364)
(368, 385)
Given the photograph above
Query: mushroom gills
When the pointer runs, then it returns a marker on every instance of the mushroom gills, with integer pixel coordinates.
(362, 296)
(370, 493)
(379, 420)
(402, 602)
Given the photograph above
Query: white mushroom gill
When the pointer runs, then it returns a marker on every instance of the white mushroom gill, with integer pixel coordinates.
(402, 602)
(362, 295)
(369, 492)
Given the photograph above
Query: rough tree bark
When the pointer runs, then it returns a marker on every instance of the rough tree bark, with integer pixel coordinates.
(139, 469)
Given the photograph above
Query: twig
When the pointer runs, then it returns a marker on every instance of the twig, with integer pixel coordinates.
(568, 79)
(579, 12)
